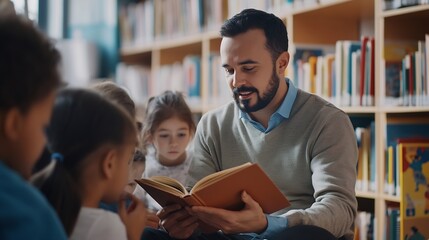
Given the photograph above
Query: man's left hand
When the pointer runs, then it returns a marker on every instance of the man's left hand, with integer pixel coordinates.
(250, 219)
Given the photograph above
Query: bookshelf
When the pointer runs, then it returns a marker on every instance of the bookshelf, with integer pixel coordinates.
(322, 22)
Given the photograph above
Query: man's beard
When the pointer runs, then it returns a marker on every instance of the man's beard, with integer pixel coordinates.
(262, 101)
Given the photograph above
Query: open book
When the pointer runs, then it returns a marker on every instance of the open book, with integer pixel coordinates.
(221, 189)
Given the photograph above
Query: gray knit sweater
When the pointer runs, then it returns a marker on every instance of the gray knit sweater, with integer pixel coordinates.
(311, 156)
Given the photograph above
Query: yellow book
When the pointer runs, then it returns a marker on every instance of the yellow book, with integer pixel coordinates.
(414, 182)
(390, 174)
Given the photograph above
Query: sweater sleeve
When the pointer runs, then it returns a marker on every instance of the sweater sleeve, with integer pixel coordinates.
(333, 153)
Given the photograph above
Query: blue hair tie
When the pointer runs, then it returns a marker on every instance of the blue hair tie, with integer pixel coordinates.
(57, 156)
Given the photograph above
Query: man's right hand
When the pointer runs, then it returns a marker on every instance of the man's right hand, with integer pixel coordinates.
(177, 221)
(152, 219)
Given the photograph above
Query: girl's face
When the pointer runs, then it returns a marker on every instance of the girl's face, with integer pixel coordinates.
(170, 140)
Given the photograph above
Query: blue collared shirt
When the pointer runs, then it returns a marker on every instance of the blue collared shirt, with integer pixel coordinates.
(278, 116)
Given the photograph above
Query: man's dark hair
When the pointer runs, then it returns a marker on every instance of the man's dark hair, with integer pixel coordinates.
(28, 64)
(273, 27)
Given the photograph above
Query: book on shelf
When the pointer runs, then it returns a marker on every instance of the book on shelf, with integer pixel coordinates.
(364, 225)
(222, 189)
(391, 4)
(363, 166)
(426, 69)
(371, 84)
(395, 4)
(301, 57)
(397, 130)
(414, 181)
(395, 76)
(393, 219)
(344, 50)
(367, 71)
(366, 167)
(192, 75)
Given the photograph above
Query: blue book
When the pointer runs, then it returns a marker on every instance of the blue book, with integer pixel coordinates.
(302, 54)
(192, 72)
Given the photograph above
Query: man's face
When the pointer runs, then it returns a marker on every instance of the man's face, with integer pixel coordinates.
(250, 71)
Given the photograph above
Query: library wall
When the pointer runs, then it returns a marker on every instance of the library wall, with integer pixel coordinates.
(370, 58)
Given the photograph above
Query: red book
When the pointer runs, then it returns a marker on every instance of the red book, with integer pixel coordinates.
(364, 41)
(372, 75)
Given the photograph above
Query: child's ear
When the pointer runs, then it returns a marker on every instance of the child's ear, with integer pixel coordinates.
(12, 121)
(108, 163)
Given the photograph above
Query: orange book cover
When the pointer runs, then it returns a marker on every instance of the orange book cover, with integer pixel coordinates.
(221, 189)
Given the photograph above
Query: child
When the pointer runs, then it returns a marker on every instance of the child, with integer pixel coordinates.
(118, 95)
(167, 130)
(93, 141)
(28, 82)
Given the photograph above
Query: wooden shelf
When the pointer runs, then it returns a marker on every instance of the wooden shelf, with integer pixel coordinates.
(330, 22)
(391, 198)
(167, 43)
(359, 109)
(408, 11)
(421, 109)
(369, 195)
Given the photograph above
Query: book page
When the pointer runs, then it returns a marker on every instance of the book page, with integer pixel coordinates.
(167, 184)
(170, 182)
(214, 177)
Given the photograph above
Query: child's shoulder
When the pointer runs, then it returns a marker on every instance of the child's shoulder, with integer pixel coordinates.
(23, 204)
(95, 223)
(15, 190)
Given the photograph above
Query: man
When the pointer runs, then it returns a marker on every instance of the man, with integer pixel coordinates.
(305, 144)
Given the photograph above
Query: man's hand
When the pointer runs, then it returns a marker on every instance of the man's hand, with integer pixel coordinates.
(177, 221)
(250, 219)
(152, 219)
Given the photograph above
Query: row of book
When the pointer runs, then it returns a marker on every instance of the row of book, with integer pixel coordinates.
(172, 18)
(343, 74)
(182, 76)
(316, 69)
(395, 4)
(143, 22)
(276, 6)
(407, 73)
(137, 23)
(136, 79)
